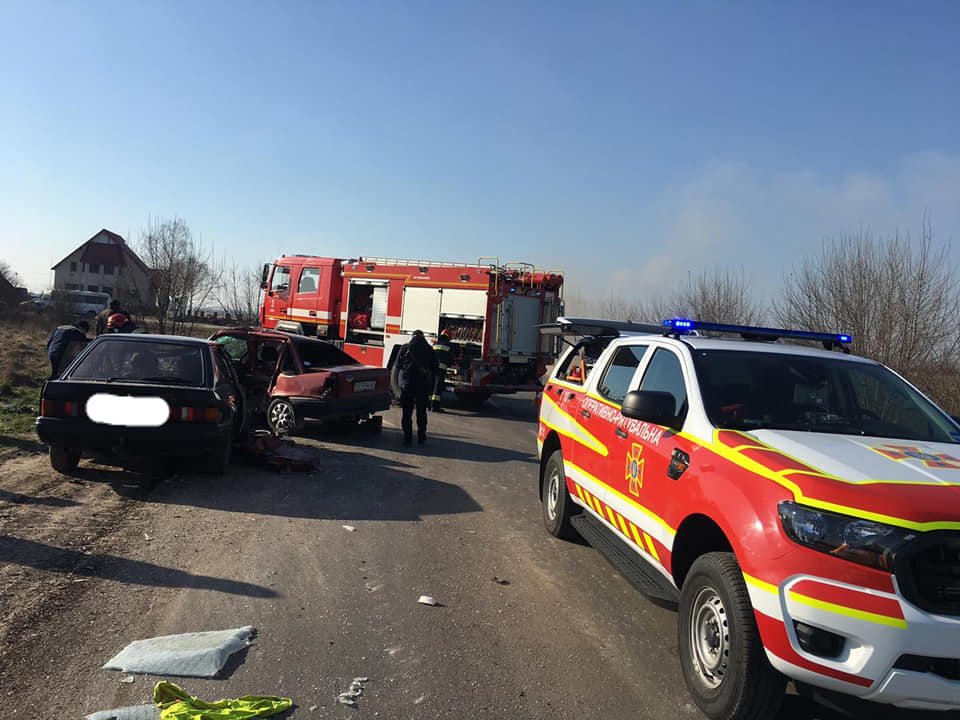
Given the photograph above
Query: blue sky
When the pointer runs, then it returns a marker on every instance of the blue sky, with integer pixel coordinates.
(627, 143)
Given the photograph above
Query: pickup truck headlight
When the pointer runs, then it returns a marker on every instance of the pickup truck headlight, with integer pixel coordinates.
(860, 541)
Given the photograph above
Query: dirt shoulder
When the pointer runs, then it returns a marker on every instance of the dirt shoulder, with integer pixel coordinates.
(54, 539)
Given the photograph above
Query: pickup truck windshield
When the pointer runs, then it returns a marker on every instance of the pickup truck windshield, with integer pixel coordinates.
(778, 391)
(137, 361)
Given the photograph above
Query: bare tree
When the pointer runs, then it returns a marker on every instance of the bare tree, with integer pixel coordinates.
(7, 273)
(899, 299)
(717, 295)
(239, 291)
(181, 272)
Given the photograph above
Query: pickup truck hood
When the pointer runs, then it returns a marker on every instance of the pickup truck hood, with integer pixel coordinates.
(909, 483)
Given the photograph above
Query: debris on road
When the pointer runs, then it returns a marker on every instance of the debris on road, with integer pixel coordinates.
(349, 528)
(131, 712)
(499, 581)
(196, 654)
(127, 679)
(349, 697)
(175, 703)
(313, 708)
(281, 454)
(427, 600)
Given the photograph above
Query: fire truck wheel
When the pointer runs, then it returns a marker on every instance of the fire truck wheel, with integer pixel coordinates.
(723, 661)
(558, 508)
(281, 417)
(64, 459)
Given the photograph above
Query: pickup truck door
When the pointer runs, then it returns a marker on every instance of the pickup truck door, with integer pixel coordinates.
(641, 455)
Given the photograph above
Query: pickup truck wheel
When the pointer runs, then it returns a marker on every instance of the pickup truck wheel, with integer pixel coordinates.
(64, 459)
(721, 655)
(558, 508)
(281, 417)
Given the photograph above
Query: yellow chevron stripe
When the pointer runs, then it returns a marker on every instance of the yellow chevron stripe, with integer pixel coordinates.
(651, 546)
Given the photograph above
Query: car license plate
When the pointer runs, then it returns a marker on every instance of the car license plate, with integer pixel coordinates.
(364, 385)
(127, 411)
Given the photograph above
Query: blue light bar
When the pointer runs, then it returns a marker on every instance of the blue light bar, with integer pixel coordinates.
(683, 325)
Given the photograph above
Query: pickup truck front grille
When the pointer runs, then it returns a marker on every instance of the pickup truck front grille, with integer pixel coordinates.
(928, 572)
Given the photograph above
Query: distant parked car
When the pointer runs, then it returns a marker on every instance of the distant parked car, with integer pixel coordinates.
(289, 378)
(82, 303)
(144, 395)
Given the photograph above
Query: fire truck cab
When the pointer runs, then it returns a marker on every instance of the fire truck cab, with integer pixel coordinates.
(371, 306)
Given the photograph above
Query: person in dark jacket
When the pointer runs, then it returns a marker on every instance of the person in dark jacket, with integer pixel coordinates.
(444, 355)
(416, 368)
(64, 345)
(112, 309)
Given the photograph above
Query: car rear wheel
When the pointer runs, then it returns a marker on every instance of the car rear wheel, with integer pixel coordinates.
(64, 459)
(558, 508)
(721, 655)
(281, 417)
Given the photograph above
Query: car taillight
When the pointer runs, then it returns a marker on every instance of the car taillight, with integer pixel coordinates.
(60, 408)
(194, 414)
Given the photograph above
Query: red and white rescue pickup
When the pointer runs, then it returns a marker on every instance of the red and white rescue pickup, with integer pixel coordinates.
(802, 507)
(370, 306)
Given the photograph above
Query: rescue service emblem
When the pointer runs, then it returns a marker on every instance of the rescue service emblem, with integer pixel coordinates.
(911, 452)
(635, 469)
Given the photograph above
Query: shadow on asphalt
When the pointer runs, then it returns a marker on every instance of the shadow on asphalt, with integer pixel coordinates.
(29, 553)
(19, 499)
(437, 445)
(349, 486)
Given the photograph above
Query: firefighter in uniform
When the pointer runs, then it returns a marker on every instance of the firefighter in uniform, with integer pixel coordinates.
(444, 354)
(416, 368)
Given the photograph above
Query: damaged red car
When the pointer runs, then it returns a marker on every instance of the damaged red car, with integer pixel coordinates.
(291, 378)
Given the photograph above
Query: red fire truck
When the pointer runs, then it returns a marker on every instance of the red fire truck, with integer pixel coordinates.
(370, 306)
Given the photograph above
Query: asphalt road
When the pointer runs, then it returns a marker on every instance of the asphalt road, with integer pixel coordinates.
(527, 626)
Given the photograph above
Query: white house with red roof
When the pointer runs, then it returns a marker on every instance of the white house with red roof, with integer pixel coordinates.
(105, 263)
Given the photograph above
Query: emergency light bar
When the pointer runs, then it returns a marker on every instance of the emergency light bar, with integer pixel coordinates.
(681, 326)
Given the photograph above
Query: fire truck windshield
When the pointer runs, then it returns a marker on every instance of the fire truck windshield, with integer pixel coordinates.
(782, 391)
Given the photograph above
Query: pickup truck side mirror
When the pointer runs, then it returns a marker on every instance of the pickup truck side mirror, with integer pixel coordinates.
(651, 406)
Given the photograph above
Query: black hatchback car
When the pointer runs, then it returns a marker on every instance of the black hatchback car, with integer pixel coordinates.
(139, 395)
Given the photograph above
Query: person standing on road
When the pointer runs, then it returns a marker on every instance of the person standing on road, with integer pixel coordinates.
(104, 316)
(444, 355)
(64, 344)
(416, 368)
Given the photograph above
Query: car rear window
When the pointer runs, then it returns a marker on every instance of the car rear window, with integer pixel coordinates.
(321, 354)
(138, 361)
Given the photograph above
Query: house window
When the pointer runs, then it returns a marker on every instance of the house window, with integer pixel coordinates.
(108, 269)
(93, 267)
(93, 288)
(107, 289)
(73, 267)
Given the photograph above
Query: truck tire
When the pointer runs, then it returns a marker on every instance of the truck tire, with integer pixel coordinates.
(558, 508)
(721, 655)
(64, 459)
(282, 417)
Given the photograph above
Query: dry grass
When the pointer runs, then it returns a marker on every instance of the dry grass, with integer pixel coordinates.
(23, 367)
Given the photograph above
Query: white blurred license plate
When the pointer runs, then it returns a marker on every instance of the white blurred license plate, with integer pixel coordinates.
(127, 411)
(364, 385)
